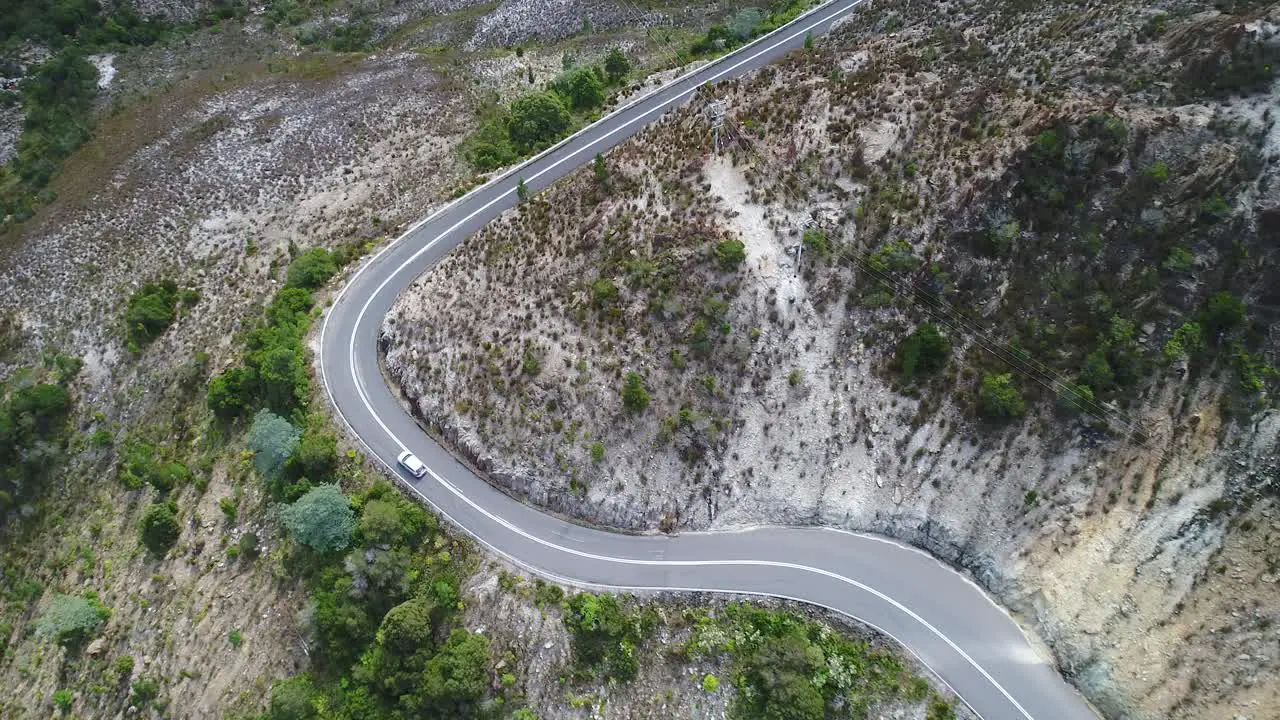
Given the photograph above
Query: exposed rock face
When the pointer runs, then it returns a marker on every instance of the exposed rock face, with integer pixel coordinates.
(967, 168)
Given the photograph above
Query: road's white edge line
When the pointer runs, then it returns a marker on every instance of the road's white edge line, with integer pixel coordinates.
(364, 398)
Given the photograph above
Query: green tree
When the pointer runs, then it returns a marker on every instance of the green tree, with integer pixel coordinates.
(536, 120)
(1097, 373)
(817, 242)
(71, 619)
(634, 396)
(601, 170)
(731, 254)
(408, 627)
(293, 699)
(228, 393)
(380, 523)
(780, 672)
(322, 519)
(581, 87)
(1187, 341)
(312, 269)
(159, 529)
(616, 65)
(273, 441)
(522, 191)
(149, 312)
(1223, 313)
(924, 351)
(455, 679)
(315, 457)
(1000, 399)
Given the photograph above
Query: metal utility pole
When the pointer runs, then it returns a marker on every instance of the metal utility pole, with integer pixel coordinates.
(715, 112)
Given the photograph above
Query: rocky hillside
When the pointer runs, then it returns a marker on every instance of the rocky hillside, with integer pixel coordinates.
(995, 278)
(170, 188)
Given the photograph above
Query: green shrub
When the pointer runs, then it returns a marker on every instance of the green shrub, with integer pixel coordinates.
(731, 254)
(710, 683)
(817, 243)
(149, 312)
(143, 691)
(1179, 260)
(248, 546)
(893, 257)
(581, 87)
(311, 269)
(924, 351)
(529, 364)
(635, 398)
(537, 120)
(616, 65)
(1000, 399)
(236, 638)
(123, 667)
(795, 377)
(604, 635)
(1187, 341)
(1223, 313)
(293, 699)
(273, 441)
(228, 507)
(62, 700)
(71, 619)
(604, 293)
(322, 519)
(159, 528)
(597, 452)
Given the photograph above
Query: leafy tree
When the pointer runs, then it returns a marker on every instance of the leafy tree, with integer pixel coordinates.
(522, 191)
(228, 393)
(273, 441)
(149, 313)
(1223, 313)
(1187, 340)
(616, 65)
(408, 627)
(312, 269)
(1000, 399)
(817, 242)
(731, 253)
(601, 170)
(380, 523)
(322, 519)
(316, 455)
(456, 677)
(490, 145)
(536, 120)
(634, 396)
(604, 634)
(1097, 373)
(781, 672)
(925, 351)
(71, 619)
(293, 699)
(894, 256)
(604, 293)
(340, 624)
(159, 528)
(581, 87)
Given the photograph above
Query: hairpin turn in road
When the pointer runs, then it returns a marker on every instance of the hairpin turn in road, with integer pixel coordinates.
(941, 617)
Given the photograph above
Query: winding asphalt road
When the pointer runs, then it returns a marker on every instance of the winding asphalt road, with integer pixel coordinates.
(941, 617)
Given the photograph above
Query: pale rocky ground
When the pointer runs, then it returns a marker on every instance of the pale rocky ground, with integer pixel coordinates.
(206, 148)
(1154, 601)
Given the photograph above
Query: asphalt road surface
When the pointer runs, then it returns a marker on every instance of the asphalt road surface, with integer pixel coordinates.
(941, 617)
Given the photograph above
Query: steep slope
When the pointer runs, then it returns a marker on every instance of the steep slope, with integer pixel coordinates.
(995, 279)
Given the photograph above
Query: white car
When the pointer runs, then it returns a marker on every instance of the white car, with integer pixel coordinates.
(411, 463)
